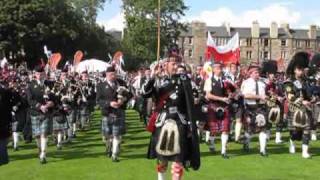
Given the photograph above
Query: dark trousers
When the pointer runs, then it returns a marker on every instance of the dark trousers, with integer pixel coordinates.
(4, 158)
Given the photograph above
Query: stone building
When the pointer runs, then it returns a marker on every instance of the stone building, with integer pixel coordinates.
(256, 43)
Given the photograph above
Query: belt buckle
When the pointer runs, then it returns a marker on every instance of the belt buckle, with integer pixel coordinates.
(173, 110)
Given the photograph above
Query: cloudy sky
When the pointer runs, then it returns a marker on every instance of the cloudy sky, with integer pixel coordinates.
(240, 13)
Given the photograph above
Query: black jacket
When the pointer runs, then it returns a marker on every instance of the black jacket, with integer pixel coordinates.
(107, 94)
(5, 111)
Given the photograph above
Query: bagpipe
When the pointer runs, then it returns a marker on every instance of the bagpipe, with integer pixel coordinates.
(296, 106)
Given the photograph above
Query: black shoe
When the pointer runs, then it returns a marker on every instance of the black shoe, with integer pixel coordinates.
(225, 156)
(15, 149)
(212, 150)
(263, 154)
(43, 161)
(115, 159)
(74, 136)
(28, 141)
(246, 147)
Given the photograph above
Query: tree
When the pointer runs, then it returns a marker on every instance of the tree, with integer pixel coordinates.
(88, 9)
(140, 36)
(28, 25)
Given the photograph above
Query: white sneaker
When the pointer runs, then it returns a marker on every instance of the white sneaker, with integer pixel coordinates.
(313, 137)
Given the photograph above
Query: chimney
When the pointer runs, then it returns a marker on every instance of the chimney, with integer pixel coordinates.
(274, 30)
(228, 29)
(255, 29)
(312, 32)
(286, 28)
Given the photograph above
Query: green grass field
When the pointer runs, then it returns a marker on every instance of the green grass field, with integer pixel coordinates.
(85, 159)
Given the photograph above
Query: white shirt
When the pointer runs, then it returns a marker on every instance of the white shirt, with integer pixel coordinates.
(249, 87)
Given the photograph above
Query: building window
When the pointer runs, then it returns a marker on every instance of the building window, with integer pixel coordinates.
(266, 42)
(249, 54)
(185, 41)
(265, 55)
(283, 42)
(190, 53)
(218, 41)
(283, 54)
(185, 52)
(190, 40)
(307, 43)
(182, 40)
(249, 42)
(298, 43)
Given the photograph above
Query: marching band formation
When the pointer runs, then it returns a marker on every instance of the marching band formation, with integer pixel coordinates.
(180, 105)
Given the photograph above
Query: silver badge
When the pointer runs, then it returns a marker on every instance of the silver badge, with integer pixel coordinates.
(297, 84)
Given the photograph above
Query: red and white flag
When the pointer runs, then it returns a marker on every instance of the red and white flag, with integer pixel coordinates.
(228, 53)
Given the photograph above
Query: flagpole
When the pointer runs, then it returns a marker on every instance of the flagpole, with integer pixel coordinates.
(159, 21)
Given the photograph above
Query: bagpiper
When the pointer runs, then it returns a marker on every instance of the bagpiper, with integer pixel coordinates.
(19, 111)
(234, 77)
(41, 102)
(255, 121)
(87, 93)
(274, 100)
(217, 93)
(59, 112)
(314, 80)
(298, 94)
(112, 97)
(174, 134)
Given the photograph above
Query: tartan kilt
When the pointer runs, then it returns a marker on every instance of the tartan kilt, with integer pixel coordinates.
(291, 126)
(249, 118)
(41, 124)
(114, 126)
(59, 126)
(71, 117)
(84, 113)
(216, 126)
(316, 114)
(236, 112)
(14, 127)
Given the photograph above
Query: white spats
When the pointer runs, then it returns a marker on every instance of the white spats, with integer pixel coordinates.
(305, 151)
(278, 138)
(224, 140)
(237, 127)
(263, 142)
(292, 148)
